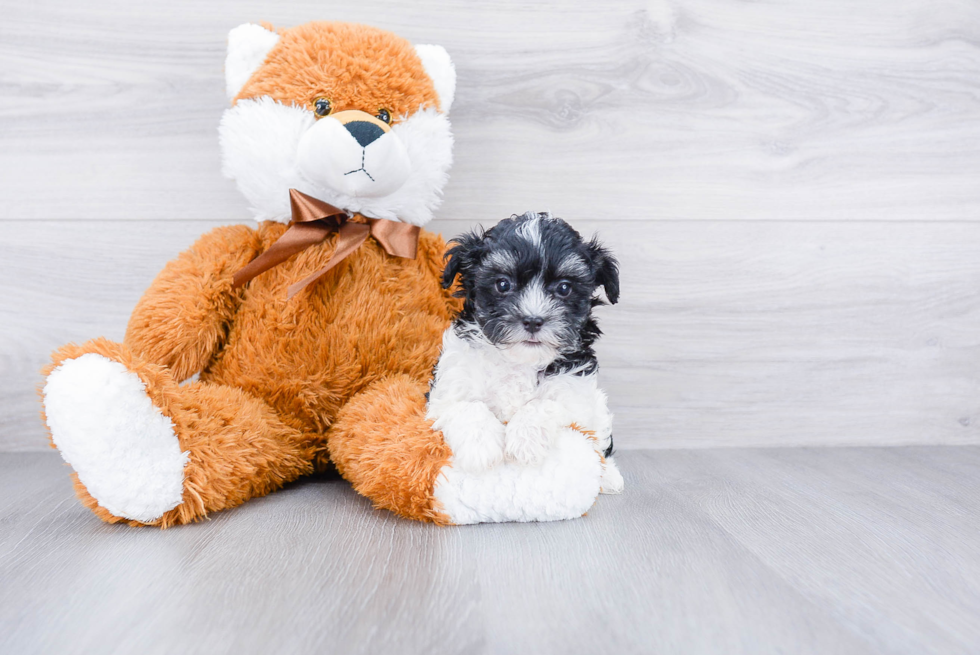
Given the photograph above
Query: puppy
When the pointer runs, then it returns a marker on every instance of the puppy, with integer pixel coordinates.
(517, 366)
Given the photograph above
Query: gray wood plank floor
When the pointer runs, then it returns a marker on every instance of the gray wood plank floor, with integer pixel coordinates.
(843, 550)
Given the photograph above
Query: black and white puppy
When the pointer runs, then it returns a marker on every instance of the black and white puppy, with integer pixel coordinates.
(517, 366)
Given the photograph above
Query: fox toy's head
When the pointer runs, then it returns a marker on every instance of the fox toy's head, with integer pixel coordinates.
(349, 114)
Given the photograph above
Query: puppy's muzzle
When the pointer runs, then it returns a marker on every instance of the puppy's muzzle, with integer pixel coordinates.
(532, 324)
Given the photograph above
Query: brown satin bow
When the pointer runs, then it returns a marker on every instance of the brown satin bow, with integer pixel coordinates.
(314, 220)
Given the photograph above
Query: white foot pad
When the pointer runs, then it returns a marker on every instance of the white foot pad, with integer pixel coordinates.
(122, 447)
(563, 486)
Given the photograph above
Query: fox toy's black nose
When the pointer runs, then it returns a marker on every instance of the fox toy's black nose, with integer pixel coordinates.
(533, 323)
(364, 132)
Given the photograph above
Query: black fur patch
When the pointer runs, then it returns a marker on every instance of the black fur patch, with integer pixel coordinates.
(529, 250)
(609, 449)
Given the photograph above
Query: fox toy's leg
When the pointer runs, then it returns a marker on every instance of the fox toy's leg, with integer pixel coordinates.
(148, 451)
(386, 448)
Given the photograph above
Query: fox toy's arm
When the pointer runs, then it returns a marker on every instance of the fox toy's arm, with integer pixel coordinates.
(181, 320)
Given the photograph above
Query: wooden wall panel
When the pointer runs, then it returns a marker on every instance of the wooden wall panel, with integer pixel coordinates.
(728, 333)
(793, 189)
(634, 109)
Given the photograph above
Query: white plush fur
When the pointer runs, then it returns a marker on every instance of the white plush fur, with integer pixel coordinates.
(331, 157)
(248, 46)
(260, 143)
(563, 486)
(494, 407)
(439, 66)
(122, 447)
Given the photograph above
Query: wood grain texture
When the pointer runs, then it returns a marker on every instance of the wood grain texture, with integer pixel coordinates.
(688, 109)
(845, 550)
(728, 333)
(785, 326)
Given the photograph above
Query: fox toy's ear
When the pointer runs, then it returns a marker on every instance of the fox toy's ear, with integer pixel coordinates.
(440, 68)
(248, 46)
(465, 253)
(606, 270)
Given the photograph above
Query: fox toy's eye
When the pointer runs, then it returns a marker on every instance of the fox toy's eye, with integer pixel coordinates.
(502, 285)
(321, 107)
(384, 116)
(563, 289)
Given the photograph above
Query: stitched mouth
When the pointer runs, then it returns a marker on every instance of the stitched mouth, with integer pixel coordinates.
(361, 169)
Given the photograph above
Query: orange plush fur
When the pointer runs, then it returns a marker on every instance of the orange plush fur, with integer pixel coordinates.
(342, 62)
(336, 373)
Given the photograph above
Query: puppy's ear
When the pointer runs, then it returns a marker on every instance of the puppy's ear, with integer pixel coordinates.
(606, 269)
(464, 254)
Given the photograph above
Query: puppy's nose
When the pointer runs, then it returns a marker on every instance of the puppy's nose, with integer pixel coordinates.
(363, 132)
(533, 323)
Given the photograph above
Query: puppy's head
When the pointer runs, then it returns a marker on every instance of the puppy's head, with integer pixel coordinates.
(529, 285)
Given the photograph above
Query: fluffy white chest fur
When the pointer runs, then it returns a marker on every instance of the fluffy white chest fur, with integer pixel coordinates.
(494, 404)
(505, 386)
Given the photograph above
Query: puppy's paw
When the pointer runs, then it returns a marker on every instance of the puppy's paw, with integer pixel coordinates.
(612, 480)
(527, 440)
(477, 446)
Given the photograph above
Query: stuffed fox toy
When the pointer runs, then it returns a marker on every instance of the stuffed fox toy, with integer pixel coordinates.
(314, 334)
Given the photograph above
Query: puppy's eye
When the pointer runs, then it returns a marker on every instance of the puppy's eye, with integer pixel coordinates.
(502, 285)
(384, 116)
(321, 107)
(563, 289)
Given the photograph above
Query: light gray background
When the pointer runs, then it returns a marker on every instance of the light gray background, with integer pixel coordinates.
(794, 191)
